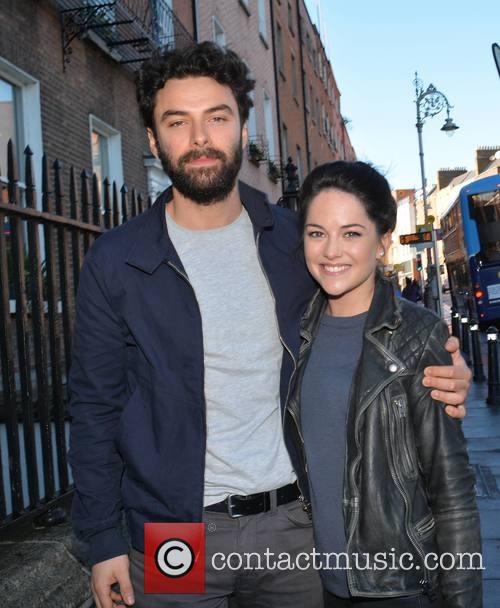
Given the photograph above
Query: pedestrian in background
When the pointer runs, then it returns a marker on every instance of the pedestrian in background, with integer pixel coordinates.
(410, 291)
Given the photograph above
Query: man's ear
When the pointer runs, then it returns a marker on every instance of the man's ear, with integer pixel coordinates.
(244, 135)
(152, 143)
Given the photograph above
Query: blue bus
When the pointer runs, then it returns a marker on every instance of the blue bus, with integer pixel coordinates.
(471, 241)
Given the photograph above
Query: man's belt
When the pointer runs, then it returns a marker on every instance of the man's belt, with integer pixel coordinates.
(237, 506)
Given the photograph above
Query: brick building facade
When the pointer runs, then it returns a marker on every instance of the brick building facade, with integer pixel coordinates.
(75, 101)
(82, 111)
(312, 127)
(244, 26)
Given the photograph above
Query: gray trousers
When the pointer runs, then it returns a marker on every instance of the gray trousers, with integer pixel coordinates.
(283, 529)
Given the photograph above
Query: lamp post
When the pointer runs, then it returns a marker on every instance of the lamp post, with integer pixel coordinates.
(430, 102)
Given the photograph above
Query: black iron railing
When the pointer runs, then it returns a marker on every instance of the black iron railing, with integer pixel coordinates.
(41, 252)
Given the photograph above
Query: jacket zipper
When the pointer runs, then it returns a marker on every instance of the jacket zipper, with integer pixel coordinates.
(285, 346)
(185, 277)
(425, 581)
(401, 413)
(355, 514)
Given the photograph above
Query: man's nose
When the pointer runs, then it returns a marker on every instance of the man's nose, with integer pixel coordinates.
(199, 135)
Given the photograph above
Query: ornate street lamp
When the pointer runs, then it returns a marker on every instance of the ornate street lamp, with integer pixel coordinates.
(430, 102)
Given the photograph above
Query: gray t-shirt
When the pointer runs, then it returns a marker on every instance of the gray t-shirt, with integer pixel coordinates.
(324, 400)
(245, 450)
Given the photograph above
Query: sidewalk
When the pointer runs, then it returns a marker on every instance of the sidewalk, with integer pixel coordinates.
(482, 430)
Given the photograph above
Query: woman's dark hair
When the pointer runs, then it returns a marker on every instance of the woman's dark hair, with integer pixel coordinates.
(359, 179)
(204, 59)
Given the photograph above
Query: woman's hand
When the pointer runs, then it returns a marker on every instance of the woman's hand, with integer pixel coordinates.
(451, 383)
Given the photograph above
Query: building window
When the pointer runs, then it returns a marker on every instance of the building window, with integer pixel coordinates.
(100, 156)
(311, 101)
(280, 59)
(269, 124)
(106, 147)
(9, 114)
(284, 143)
(218, 32)
(294, 79)
(262, 19)
(252, 123)
(20, 119)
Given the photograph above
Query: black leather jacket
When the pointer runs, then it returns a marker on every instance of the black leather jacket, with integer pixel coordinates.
(408, 487)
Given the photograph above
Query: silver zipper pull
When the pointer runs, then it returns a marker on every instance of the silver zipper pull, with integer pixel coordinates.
(401, 405)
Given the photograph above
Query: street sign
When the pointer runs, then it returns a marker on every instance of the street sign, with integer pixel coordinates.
(415, 238)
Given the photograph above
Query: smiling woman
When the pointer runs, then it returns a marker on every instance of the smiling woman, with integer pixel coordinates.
(346, 232)
(387, 468)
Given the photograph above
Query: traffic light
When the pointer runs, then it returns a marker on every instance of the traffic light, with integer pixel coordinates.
(419, 262)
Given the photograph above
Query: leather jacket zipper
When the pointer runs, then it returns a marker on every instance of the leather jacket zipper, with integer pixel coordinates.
(185, 277)
(352, 474)
(425, 581)
(401, 413)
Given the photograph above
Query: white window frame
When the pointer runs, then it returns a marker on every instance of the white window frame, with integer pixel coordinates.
(262, 19)
(269, 124)
(114, 138)
(252, 118)
(29, 119)
(216, 24)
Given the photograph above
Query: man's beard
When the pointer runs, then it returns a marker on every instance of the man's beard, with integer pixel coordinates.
(203, 185)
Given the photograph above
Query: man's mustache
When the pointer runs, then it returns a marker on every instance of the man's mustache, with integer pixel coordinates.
(196, 154)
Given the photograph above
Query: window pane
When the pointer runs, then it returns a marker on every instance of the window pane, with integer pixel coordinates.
(219, 34)
(262, 18)
(269, 124)
(7, 121)
(100, 162)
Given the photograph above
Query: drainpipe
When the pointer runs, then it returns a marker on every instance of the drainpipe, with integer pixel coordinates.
(194, 9)
(306, 131)
(278, 114)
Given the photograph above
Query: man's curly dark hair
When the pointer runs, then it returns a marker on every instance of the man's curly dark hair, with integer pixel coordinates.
(204, 59)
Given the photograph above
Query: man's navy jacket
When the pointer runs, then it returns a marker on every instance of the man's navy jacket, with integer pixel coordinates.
(138, 429)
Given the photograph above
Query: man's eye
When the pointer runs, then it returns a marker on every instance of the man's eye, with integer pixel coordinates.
(218, 119)
(177, 123)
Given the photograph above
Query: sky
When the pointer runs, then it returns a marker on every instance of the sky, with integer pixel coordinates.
(375, 47)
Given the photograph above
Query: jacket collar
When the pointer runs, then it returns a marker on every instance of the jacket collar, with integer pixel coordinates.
(384, 310)
(152, 244)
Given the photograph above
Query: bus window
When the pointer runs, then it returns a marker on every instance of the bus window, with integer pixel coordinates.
(485, 210)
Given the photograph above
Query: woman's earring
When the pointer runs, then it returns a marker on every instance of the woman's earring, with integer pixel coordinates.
(382, 253)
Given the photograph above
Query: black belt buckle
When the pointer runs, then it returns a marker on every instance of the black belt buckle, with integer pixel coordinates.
(238, 506)
(231, 507)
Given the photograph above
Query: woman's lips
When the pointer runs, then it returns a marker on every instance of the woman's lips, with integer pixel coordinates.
(334, 270)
